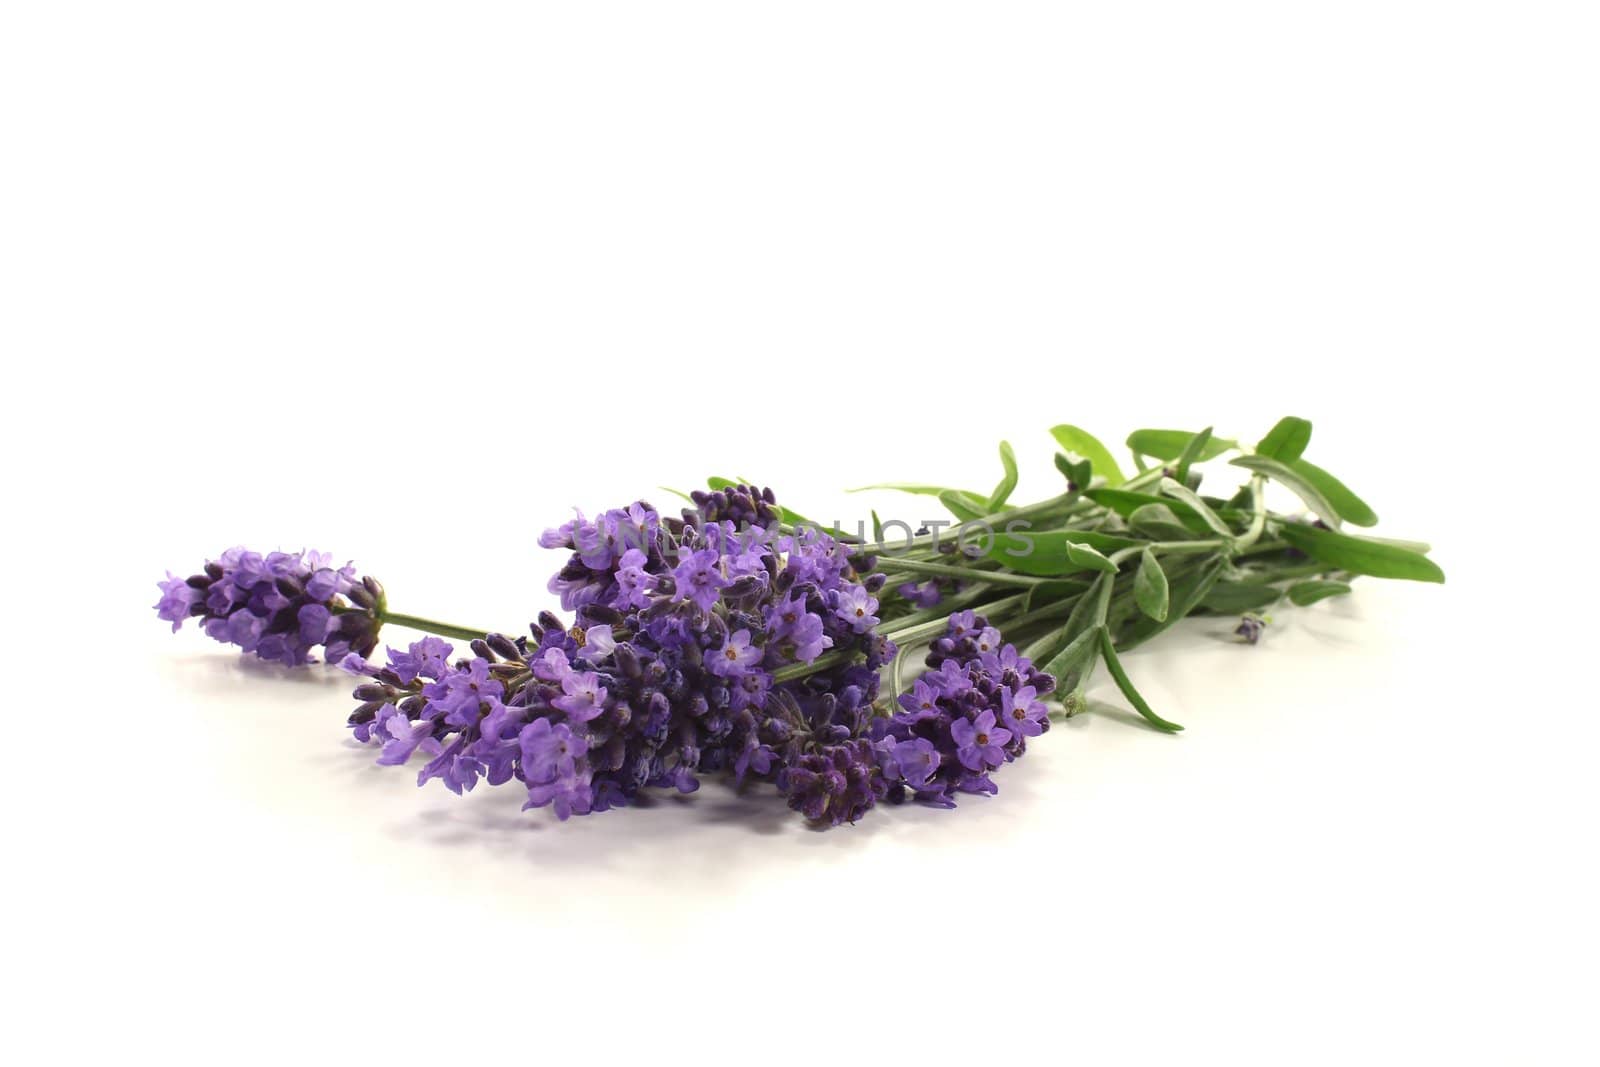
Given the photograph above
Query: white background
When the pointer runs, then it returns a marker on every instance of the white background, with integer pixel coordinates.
(408, 281)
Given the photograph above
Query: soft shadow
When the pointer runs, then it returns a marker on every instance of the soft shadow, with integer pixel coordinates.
(222, 670)
(673, 836)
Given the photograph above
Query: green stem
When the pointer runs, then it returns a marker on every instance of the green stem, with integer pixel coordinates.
(943, 570)
(443, 629)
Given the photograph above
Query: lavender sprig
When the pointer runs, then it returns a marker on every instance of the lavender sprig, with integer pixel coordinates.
(282, 606)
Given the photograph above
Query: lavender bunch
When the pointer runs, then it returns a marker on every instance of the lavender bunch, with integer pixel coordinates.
(739, 640)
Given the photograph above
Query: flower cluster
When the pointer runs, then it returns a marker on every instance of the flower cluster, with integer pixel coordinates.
(280, 605)
(672, 669)
(972, 711)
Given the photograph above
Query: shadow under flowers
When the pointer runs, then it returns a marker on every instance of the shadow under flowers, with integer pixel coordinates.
(665, 835)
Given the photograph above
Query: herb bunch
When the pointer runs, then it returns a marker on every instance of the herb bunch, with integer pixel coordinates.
(741, 639)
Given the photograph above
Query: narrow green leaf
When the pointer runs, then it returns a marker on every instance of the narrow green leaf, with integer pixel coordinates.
(1184, 494)
(1414, 546)
(1069, 664)
(1158, 522)
(676, 492)
(1169, 444)
(963, 505)
(1045, 554)
(1287, 440)
(1122, 501)
(1008, 481)
(1150, 587)
(1191, 454)
(1304, 593)
(1350, 507)
(1361, 555)
(1126, 503)
(1108, 652)
(1086, 445)
(1234, 598)
(1292, 480)
(1087, 558)
(877, 529)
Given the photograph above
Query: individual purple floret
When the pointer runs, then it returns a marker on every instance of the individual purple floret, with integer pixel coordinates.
(926, 595)
(280, 606)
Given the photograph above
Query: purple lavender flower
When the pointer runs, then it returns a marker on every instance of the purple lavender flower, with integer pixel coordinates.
(923, 596)
(178, 596)
(914, 762)
(401, 737)
(980, 744)
(667, 672)
(699, 578)
(838, 784)
(1022, 712)
(461, 697)
(735, 657)
(550, 752)
(856, 607)
(975, 708)
(279, 606)
(458, 772)
(428, 657)
(1250, 627)
(583, 697)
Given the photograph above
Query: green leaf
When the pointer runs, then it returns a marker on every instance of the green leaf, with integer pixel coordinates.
(1087, 558)
(1122, 501)
(877, 529)
(1350, 507)
(1126, 504)
(1159, 523)
(1191, 454)
(1086, 445)
(963, 505)
(1108, 652)
(1169, 444)
(1186, 593)
(1076, 472)
(1150, 587)
(1291, 479)
(676, 492)
(1234, 598)
(1071, 664)
(1008, 481)
(1287, 440)
(1361, 555)
(1304, 593)
(1046, 554)
(1185, 495)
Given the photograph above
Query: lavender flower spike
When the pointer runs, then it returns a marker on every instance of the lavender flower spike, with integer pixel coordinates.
(280, 606)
